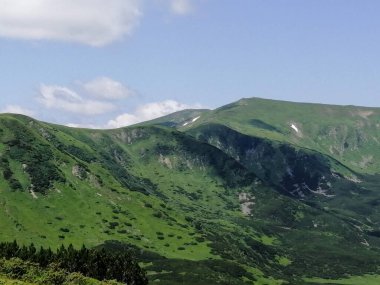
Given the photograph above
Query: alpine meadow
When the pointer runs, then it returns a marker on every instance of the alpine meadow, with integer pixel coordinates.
(243, 194)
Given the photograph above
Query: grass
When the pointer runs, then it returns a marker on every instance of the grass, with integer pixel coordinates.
(267, 240)
(283, 260)
(92, 214)
(177, 200)
(332, 130)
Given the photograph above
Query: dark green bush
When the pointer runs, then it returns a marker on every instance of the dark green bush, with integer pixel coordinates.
(19, 262)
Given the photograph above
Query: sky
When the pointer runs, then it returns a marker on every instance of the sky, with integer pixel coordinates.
(112, 63)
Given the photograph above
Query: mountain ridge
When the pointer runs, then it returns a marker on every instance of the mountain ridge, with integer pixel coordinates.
(334, 130)
(220, 196)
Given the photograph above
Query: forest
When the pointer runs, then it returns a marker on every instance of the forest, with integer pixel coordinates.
(98, 264)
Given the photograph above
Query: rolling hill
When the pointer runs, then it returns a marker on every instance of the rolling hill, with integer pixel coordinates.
(255, 192)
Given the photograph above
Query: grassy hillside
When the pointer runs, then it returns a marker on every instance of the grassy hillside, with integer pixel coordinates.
(213, 205)
(349, 134)
(151, 187)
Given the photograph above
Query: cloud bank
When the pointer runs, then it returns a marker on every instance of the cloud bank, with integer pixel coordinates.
(99, 104)
(91, 22)
(107, 88)
(65, 99)
(104, 89)
(148, 112)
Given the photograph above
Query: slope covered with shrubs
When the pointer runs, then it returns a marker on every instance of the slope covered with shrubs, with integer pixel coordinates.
(68, 265)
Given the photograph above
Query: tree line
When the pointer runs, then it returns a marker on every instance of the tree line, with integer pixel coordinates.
(98, 264)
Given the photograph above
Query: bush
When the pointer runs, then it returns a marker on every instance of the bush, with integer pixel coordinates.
(200, 239)
(157, 214)
(113, 225)
(52, 268)
(14, 268)
(14, 184)
(76, 278)
(7, 173)
(54, 277)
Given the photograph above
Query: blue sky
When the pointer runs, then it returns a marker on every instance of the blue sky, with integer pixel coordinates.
(109, 63)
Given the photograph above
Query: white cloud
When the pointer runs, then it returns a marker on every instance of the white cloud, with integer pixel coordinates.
(107, 88)
(83, 126)
(124, 120)
(181, 7)
(92, 22)
(62, 98)
(16, 109)
(148, 112)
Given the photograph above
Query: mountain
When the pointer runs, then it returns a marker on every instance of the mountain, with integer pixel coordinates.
(255, 192)
(349, 134)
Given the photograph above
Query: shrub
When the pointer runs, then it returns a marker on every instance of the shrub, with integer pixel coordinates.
(54, 276)
(200, 239)
(7, 173)
(48, 267)
(14, 184)
(14, 268)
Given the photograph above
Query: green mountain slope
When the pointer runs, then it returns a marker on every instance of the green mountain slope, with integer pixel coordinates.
(350, 134)
(235, 196)
(152, 187)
